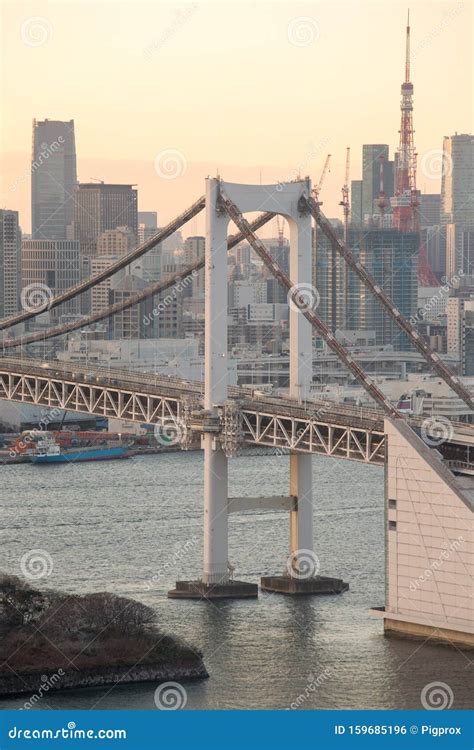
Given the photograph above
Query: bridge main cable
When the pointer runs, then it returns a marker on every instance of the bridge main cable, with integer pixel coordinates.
(296, 297)
(369, 282)
(150, 291)
(125, 260)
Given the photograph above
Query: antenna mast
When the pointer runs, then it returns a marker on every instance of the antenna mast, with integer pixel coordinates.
(405, 202)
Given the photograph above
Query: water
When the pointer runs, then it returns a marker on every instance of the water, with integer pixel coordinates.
(134, 527)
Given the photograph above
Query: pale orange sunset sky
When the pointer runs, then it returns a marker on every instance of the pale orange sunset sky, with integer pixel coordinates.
(254, 89)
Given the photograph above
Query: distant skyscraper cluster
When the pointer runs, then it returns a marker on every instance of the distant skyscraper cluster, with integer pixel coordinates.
(409, 242)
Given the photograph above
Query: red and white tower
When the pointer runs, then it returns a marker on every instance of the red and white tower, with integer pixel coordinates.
(405, 202)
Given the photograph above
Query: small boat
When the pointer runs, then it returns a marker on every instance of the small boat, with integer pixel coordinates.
(49, 452)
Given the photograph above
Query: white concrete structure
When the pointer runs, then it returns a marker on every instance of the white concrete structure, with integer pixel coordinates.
(282, 199)
(430, 555)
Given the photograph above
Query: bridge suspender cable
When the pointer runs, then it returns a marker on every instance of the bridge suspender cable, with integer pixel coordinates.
(150, 291)
(431, 357)
(295, 295)
(125, 260)
(367, 279)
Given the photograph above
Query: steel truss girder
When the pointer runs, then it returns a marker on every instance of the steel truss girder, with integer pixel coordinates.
(311, 436)
(305, 435)
(90, 398)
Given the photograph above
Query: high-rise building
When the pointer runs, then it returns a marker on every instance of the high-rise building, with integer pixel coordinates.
(101, 206)
(149, 265)
(431, 240)
(392, 259)
(53, 179)
(457, 180)
(100, 292)
(116, 241)
(373, 155)
(459, 249)
(461, 328)
(52, 266)
(194, 248)
(10, 268)
(357, 216)
(147, 220)
(432, 236)
(330, 275)
(457, 203)
(429, 209)
(127, 323)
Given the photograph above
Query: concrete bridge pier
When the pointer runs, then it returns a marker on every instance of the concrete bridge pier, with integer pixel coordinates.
(216, 582)
(301, 575)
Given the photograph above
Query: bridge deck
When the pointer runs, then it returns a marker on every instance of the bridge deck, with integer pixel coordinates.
(314, 426)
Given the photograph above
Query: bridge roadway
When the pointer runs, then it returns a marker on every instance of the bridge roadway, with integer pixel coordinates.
(249, 417)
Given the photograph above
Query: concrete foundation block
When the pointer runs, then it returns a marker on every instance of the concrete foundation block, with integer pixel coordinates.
(296, 587)
(201, 590)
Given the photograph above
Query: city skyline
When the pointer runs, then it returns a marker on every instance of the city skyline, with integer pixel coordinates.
(251, 274)
(292, 39)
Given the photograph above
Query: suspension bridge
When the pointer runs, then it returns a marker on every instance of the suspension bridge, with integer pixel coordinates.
(222, 419)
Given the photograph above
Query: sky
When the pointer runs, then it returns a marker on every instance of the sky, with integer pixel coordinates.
(164, 94)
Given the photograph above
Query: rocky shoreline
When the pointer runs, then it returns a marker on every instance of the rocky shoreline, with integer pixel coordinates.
(40, 684)
(51, 640)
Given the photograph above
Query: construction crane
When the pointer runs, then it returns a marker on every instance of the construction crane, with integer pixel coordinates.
(345, 203)
(317, 188)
